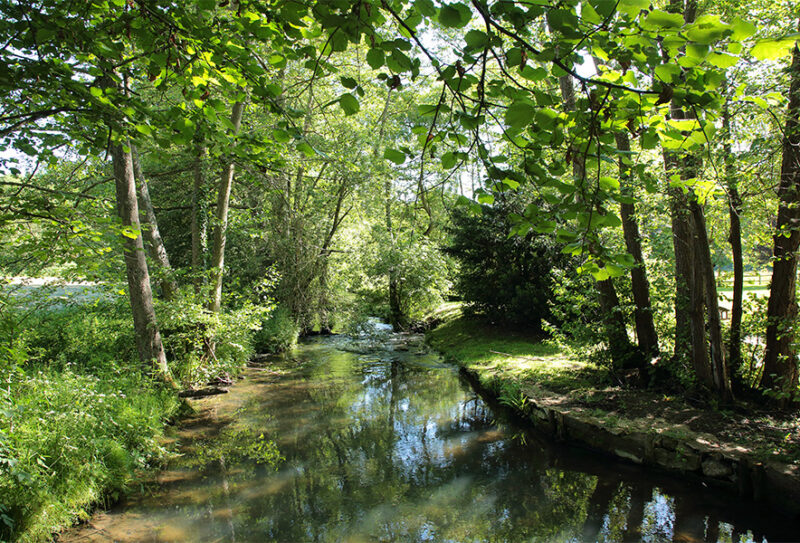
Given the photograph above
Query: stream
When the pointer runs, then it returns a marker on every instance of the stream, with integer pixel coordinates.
(377, 439)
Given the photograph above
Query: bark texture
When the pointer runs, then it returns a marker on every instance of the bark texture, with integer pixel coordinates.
(221, 226)
(155, 245)
(780, 358)
(640, 286)
(735, 239)
(199, 222)
(148, 338)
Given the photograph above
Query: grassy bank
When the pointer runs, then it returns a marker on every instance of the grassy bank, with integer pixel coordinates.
(582, 403)
(508, 361)
(80, 418)
(70, 440)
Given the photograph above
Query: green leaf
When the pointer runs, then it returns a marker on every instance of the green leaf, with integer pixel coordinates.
(375, 58)
(448, 160)
(454, 15)
(398, 157)
(348, 82)
(520, 113)
(129, 232)
(476, 39)
(533, 74)
(708, 29)
(773, 48)
(589, 14)
(609, 183)
(281, 136)
(514, 56)
(306, 149)
(486, 198)
(658, 19)
(349, 104)
(633, 7)
(742, 29)
(668, 72)
(722, 60)
(279, 61)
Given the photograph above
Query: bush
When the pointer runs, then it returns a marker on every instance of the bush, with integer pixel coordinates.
(189, 332)
(508, 279)
(278, 333)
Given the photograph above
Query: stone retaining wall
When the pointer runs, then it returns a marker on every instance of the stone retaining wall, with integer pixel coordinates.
(683, 452)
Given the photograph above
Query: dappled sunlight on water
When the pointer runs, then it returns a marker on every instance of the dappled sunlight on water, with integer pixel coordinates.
(369, 444)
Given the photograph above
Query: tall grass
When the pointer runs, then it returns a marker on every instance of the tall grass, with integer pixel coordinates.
(79, 415)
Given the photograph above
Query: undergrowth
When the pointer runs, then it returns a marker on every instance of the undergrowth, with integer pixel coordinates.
(79, 415)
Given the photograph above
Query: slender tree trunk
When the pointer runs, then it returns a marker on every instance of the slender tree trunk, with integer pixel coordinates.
(683, 249)
(695, 278)
(623, 354)
(199, 222)
(780, 358)
(396, 317)
(155, 245)
(735, 239)
(221, 225)
(148, 338)
(645, 327)
(720, 376)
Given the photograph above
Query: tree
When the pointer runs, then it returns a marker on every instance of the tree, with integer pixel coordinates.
(148, 337)
(780, 360)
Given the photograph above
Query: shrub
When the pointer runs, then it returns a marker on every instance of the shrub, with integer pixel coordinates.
(202, 346)
(278, 333)
(509, 279)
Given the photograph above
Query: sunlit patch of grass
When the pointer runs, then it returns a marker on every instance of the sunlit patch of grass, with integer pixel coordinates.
(499, 354)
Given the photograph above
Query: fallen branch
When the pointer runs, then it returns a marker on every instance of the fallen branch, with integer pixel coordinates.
(201, 392)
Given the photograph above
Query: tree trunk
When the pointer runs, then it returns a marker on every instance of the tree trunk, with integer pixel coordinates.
(720, 376)
(695, 280)
(683, 249)
(735, 239)
(221, 226)
(148, 338)
(645, 327)
(780, 359)
(155, 245)
(199, 222)
(396, 317)
(623, 353)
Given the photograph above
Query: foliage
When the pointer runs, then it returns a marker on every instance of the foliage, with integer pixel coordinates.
(278, 333)
(507, 279)
(68, 440)
(202, 345)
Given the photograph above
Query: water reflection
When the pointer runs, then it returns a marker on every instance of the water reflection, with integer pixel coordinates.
(393, 446)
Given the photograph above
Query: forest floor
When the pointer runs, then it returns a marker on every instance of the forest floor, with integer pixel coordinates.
(519, 368)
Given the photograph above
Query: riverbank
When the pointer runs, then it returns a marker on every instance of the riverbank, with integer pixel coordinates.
(81, 421)
(745, 451)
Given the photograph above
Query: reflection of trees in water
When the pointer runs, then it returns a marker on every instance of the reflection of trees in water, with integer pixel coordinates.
(393, 452)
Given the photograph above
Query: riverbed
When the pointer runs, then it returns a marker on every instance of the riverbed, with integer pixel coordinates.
(378, 439)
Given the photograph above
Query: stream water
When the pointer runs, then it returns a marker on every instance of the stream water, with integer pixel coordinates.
(353, 441)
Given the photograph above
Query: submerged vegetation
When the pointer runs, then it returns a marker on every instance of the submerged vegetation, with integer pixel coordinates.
(184, 185)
